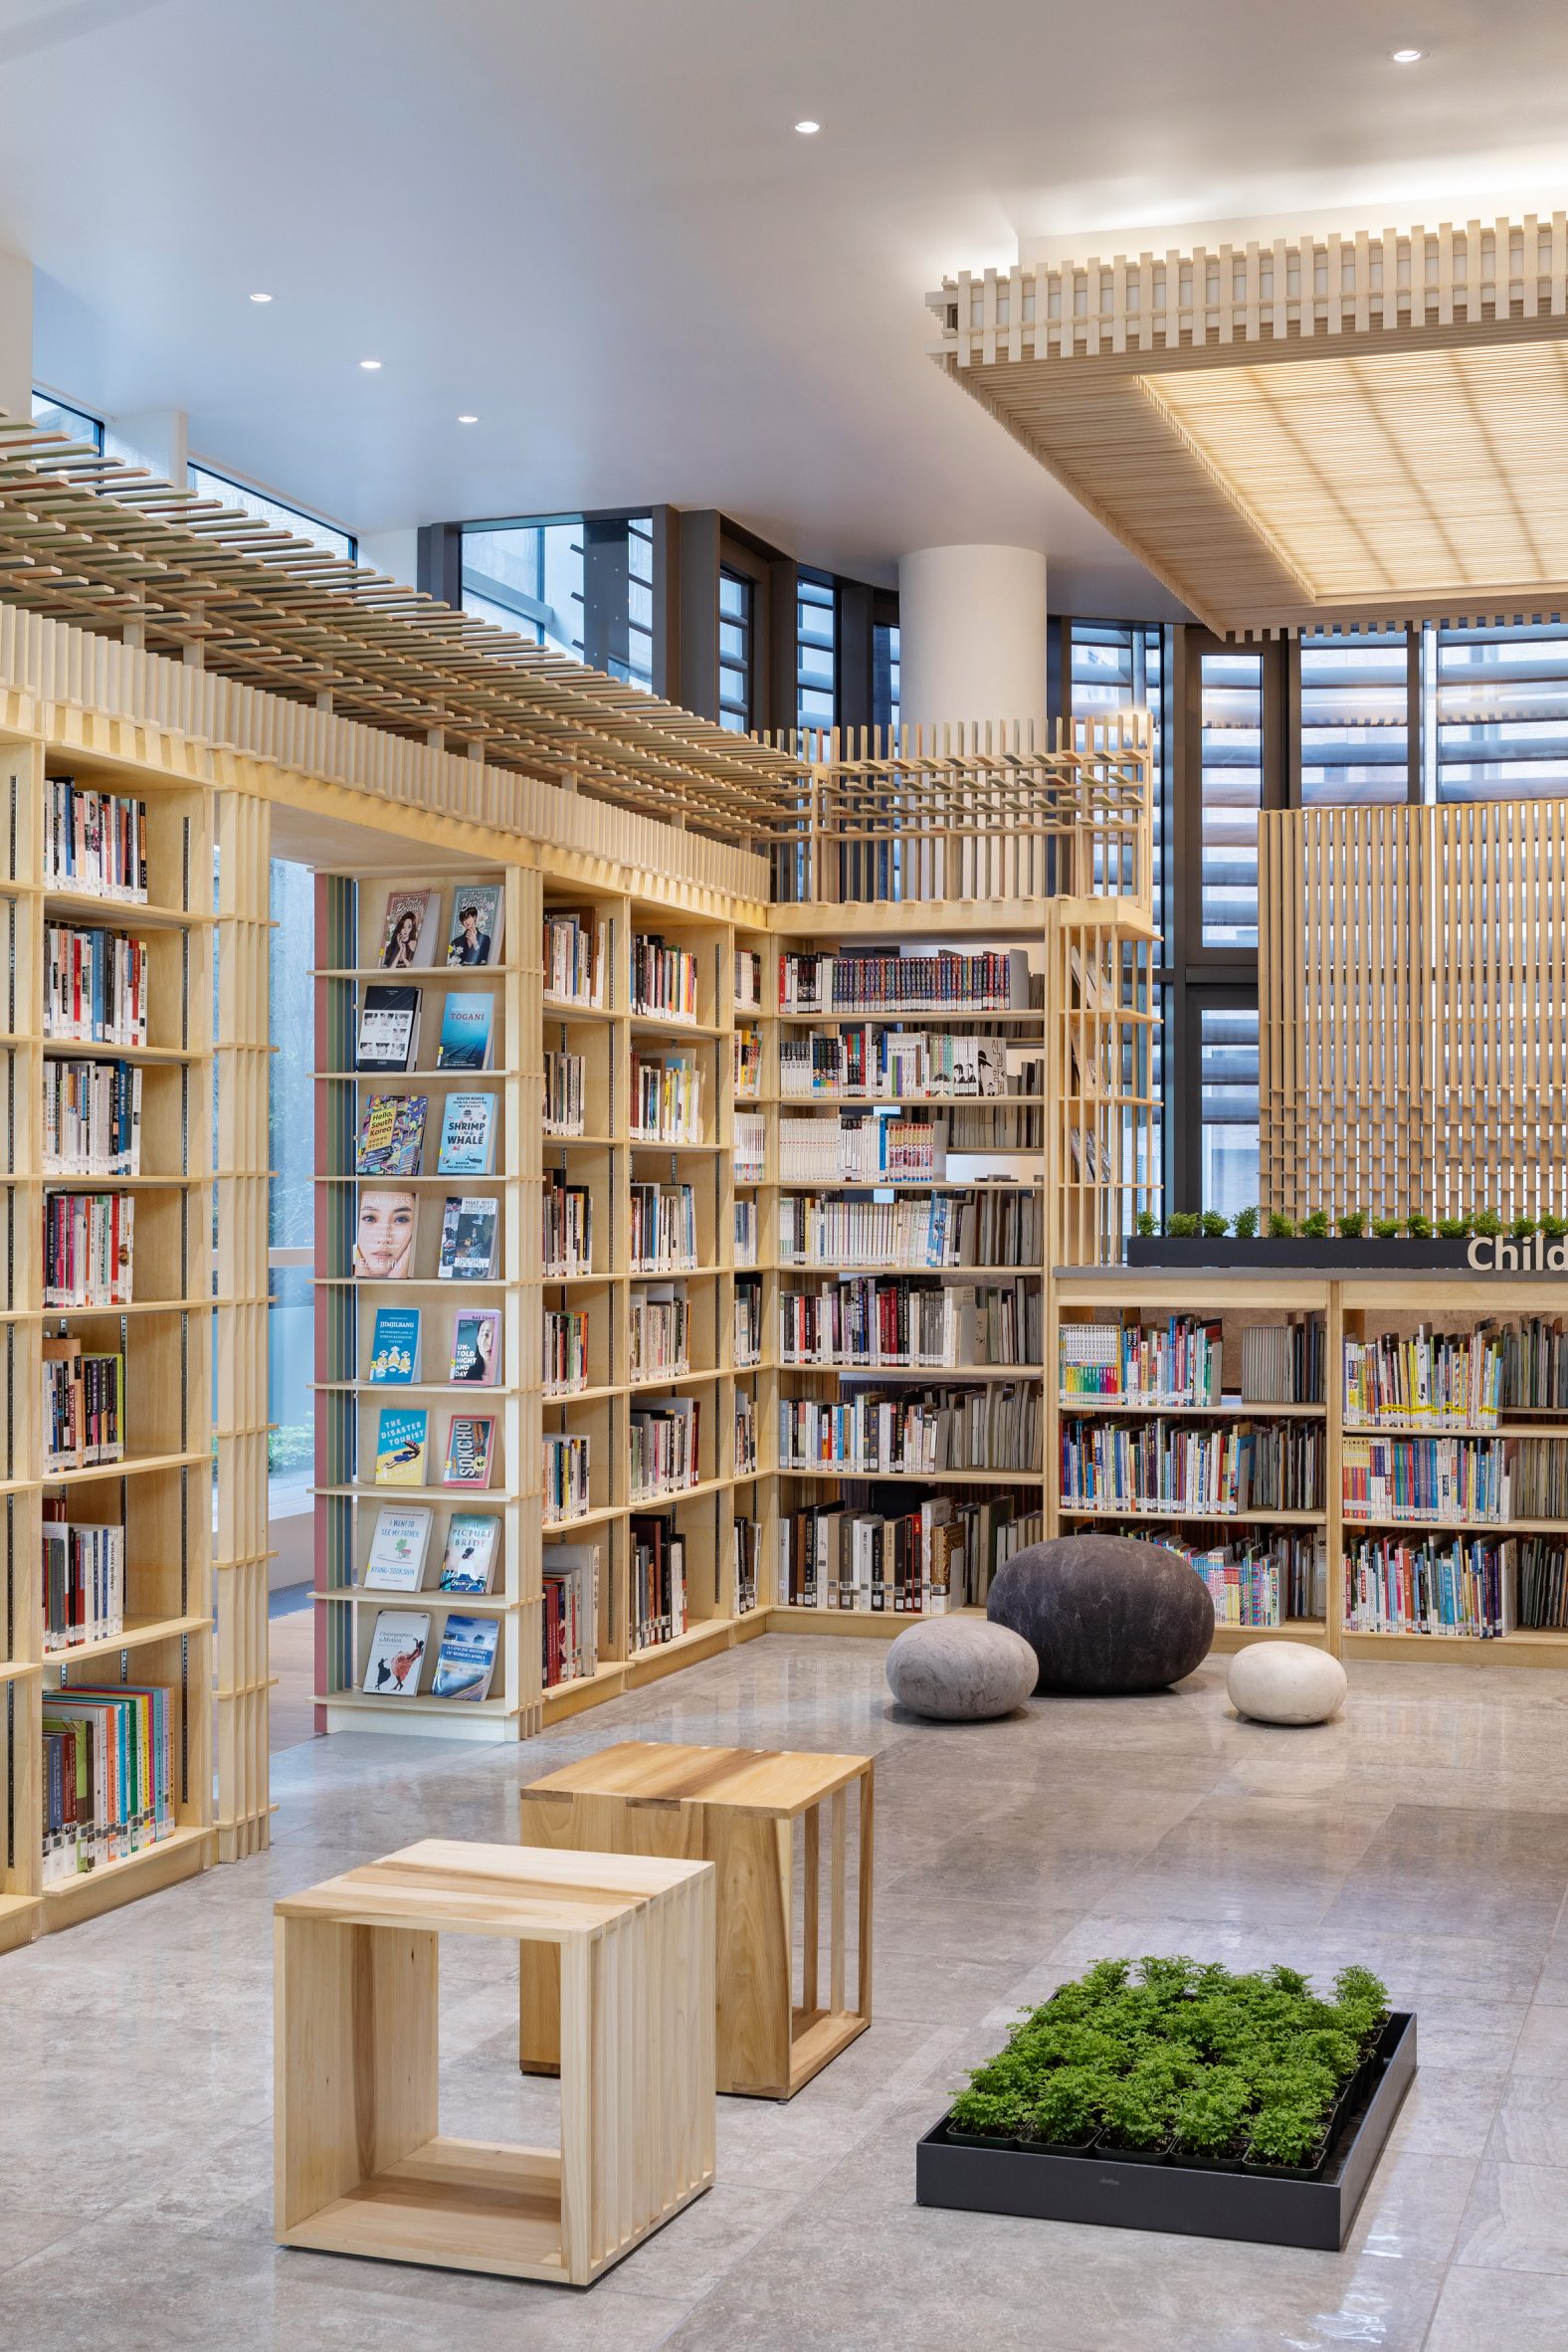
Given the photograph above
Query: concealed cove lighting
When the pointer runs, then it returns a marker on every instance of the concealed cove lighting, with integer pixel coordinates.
(261, 297)
(807, 129)
(1407, 57)
(370, 363)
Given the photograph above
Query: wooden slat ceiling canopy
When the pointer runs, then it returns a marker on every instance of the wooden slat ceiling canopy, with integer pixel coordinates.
(103, 546)
(1305, 433)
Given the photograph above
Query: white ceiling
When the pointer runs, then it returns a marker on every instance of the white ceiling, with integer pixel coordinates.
(592, 222)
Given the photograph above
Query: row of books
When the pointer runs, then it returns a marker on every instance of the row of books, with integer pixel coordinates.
(566, 1477)
(389, 1017)
(746, 1062)
(748, 1148)
(662, 1230)
(84, 1581)
(1114, 1466)
(565, 1351)
(571, 1611)
(658, 1333)
(568, 1227)
(1180, 1363)
(665, 1447)
(563, 1094)
(95, 986)
(403, 1448)
(744, 1548)
(391, 1139)
(748, 1303)
(574, 956)
(877, 1149)
(464, 1660)
(1542, 1581)
(91, 1118)
(941, 1554)
(658, 1580)
(980, 1228)
(664, 978)
(397, 1346)
(1451, 1379)
(1426, 1478)
(746, 1232)
(386, 1231)
(413, 937)
(399, 1551)
(93, 841)
(88, 1247)
(1534, 1364)
(108, 1775)
(747, 985)
(895, 1320)
(921, 1432)
(666, 1098)
(993, 981)
(1264, 1584)
(745, 1459)
(1284, 1363)
(84, 1404)
(910, 1063)
(1454, 1589)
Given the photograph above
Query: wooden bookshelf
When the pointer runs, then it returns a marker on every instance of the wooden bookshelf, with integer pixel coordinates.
(350, 919)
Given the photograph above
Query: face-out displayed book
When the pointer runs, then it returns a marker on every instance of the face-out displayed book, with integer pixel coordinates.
(402, 1440)
(466, 1661)
(470, 1228)
(468, 1028)
(391, 1135)
(395, 1346)
(411, 930)
(388, 1028)
(476, 1346)
(384, 1236)
(470, 1449)
(477, 915)
(468, 1136)
(397, 1648)
(472, 1547)
(398, 1549)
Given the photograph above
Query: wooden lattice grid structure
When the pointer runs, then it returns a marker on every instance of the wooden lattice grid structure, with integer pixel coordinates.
(1413, 1032)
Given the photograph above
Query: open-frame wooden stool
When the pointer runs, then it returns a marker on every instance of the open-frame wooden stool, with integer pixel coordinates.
(735, 1807)
(626, 1945)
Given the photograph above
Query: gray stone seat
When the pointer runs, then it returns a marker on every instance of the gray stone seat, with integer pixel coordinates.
(1105, 1612)
(960, 1670)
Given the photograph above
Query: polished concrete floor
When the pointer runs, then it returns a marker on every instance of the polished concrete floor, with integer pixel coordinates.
(1427, 1835)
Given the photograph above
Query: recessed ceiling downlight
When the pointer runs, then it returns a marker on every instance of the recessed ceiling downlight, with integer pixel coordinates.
(261, 297)
(468, 420)
(1407, 57)
(370, 363)
(808, 128)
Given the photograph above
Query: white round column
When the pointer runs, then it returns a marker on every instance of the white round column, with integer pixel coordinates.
(972, 636)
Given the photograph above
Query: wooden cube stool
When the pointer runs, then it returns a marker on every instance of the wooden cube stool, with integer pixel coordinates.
(735, 1807)
(362, 2168)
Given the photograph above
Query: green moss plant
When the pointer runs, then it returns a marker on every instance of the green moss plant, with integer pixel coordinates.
(1418, 1227)
(1246, 1225)
(1453, 1229)
(1554, 1228)
(1519, 1228)
(1386, 1228)
(1182, 1225)
(1281, 1227)
(1214, 1224)
(1314, 1228)
(1352, 1224)
(1487, 1223)
(1145, 1224)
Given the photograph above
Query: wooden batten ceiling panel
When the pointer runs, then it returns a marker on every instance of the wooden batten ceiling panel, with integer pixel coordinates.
(1320, 431)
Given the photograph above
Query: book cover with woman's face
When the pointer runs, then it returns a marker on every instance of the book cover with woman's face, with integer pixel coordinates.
(384, 1242)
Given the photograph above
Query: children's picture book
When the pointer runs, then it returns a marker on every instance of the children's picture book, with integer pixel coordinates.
(384, 1236)
(471, 1448)
(476, 1346)
(466, 1661)
(388, 1028)
(467, 1027)
(470, 1224)
(413, 926)
(472, 1547)
(396, 1562)
(394, 1346)
(402, 1440)
(391, 1135)
(468, 1136)
(477, 913)
(397, 1647)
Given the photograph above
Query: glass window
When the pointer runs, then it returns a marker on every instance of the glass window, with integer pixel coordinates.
(816, 667)
(1116, 666)
(1494, 713)
(885, 675)
(290, 1228)
(1227, 1087)
(737, 606)
(529, 577)
(1355, 717)
(1232, 720)
(326, 535)
(55, 416)
(638, 669)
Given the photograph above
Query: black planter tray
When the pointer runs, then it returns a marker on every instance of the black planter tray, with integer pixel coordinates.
(1191, 2202)
(1334, 1256)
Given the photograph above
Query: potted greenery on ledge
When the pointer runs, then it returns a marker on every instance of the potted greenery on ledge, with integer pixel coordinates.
(1349, 1241)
